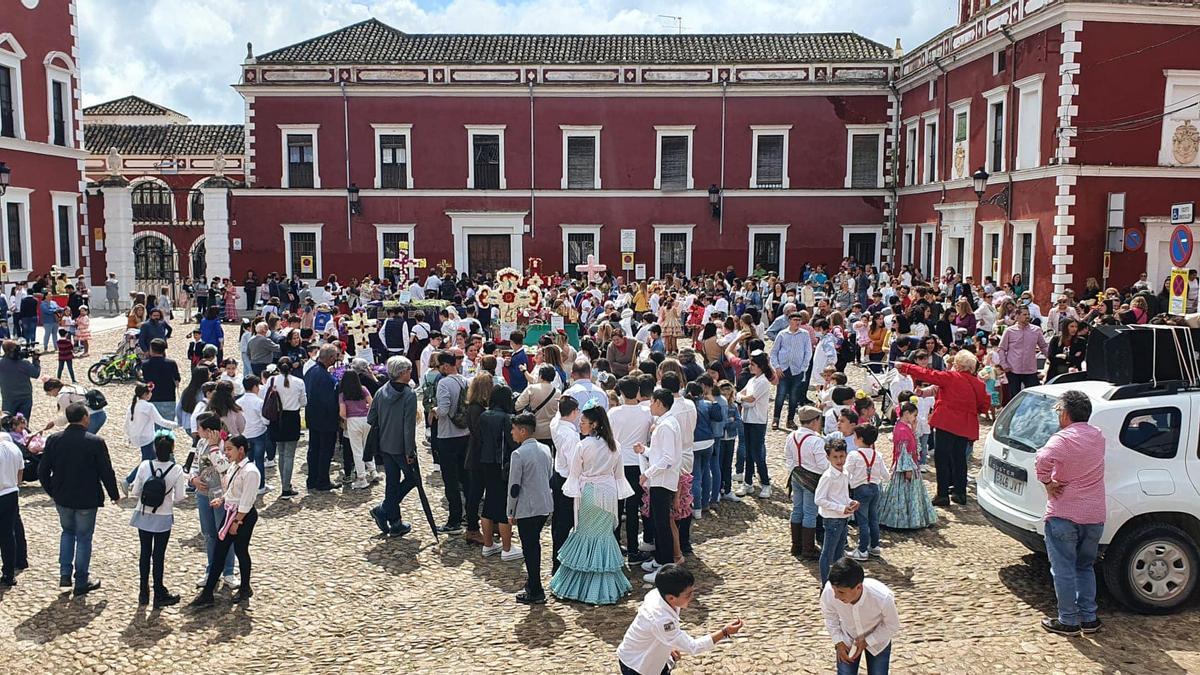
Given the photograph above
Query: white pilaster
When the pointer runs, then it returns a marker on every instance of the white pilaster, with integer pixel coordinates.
(118, 235)
(216, 230)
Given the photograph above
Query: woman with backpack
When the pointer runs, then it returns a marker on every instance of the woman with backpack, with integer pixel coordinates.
(158, 485)
(284, 398)
(140, 426)
(66, 395)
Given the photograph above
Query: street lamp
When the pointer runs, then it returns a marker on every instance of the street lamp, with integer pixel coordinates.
(5, 177)
(352, 195)
(1001, 198)
(714, 199)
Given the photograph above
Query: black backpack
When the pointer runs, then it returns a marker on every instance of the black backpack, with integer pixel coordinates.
(154, 490)
(95, 399)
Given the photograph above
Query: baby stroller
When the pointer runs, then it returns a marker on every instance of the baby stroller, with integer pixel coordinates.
(879, 386)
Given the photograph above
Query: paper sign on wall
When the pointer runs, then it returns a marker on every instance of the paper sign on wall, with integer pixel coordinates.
(556, 322)
(639, 271)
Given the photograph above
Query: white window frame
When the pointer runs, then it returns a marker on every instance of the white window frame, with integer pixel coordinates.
(957, 108)
(381, 230)
(568, 230)
(994, 96)
(195, 187)
(784, 130)
(290, 228)
(474, 130)
(673, 229)
(933, 89)
(853, 130)
(16, 196)
(912, 156)
(65, 77)
(678, 130)
(927, 238)
(580, 131)
(404, 130)
(908, 244)
(71, 200)
(930, 174)
(299, 130)
(11, 56)
(1029, 125)
(1020, 227)
(988, 228)
(876, 230)
(996, 60)
(958, 222)
(754, 230)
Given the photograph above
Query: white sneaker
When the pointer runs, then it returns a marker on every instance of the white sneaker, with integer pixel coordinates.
(766, 492)
(650, 566)
(269, 464)
(860, 556)
(649, 578)
(731, 497)
(372, 476)
(360, 484)
(231, 581)
(513, 553)
(744, 490)
(202, 581)
(489, 551)
(646, 547)
(876, 551)
(698, 514)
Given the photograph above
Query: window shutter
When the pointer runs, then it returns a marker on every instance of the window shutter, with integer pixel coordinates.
(581, 162)
(6, 104)
(16, 251)
(769, 171)
(673, 173)
(865, 161)
(487, 162)
(393, 160)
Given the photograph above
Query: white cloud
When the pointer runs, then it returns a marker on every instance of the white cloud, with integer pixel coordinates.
(185, 54)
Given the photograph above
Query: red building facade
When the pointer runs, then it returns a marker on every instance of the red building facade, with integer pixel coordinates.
(41, 213)
(551, 146)
(1083, 114)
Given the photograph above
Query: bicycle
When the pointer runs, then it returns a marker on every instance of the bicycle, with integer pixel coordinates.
(122, 368)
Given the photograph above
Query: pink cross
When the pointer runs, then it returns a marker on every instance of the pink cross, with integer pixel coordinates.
(591, 268)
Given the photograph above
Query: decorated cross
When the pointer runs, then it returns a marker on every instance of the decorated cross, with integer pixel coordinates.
(443, 266)
(591, 268)
(359, 327)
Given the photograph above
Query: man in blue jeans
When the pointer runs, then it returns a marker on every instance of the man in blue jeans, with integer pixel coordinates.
(1071, 466)
(791, 355)
(76, 471)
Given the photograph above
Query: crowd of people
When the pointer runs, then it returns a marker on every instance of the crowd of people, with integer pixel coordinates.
(656, 417)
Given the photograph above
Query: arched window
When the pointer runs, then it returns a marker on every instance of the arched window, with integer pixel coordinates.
(199, 260)
(153, 259)
(151, 203)
(196, 203)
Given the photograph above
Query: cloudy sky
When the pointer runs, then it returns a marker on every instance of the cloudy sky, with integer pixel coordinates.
(185, 54)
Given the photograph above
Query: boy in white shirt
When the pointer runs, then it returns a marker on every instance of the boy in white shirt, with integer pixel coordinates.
(654, 640)
(867, 470)
(661, 463)
(631, 425)
(834, 505)
(860, 615)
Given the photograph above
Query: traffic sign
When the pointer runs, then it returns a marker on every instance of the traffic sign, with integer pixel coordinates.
(1177, 304)
(627, 261)
(1181, 245)
(1133, 240)
(1183, 213)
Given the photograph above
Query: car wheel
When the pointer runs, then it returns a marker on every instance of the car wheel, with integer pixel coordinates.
(1152, 569)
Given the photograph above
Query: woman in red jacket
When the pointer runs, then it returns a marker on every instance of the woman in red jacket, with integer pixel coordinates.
(961, 398)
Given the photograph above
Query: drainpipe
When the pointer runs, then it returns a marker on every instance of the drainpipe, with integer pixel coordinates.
(1010, 152)
(346, 140)
(532, 200)
(894, 187)
(945, 111)
(721, 202)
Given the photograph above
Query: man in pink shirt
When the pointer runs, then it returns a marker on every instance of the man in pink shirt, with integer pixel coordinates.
(1017, 353)
(1071, 466)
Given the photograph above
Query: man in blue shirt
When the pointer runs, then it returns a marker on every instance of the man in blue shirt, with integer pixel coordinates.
(49, 310)
(791, 355)
(518, 363)
(321, 414)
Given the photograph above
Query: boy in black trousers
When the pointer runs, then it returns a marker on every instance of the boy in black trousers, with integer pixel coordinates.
(529, 501)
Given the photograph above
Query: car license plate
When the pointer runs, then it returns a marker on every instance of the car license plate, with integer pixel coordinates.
(1008, 482)
(1008, 476)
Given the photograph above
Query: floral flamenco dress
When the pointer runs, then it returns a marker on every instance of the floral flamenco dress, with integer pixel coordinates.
(905, 502)
(591, 566)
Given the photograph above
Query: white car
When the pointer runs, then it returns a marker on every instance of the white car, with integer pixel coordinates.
(1150, 549)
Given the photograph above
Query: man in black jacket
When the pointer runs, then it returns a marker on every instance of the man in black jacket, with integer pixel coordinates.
(76, 471)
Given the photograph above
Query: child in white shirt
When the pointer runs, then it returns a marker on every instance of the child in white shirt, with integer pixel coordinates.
(866, 472)
(834, 505)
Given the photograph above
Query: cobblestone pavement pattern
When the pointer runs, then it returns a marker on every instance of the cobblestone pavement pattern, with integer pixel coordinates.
(332, 595)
